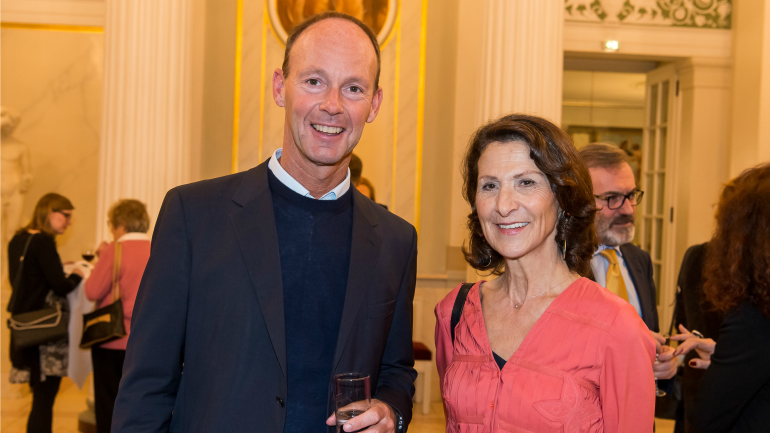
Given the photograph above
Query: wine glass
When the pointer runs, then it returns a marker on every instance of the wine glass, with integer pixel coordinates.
(88, 252)
(659, 392)
(352, 396)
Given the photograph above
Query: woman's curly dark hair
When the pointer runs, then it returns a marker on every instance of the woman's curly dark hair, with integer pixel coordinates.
(554, 154)
(738, 257)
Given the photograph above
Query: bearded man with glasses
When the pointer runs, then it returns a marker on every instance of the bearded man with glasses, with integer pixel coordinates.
(619, 265)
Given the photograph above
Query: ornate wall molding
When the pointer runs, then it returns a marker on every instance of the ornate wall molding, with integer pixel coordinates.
(713, 14)
(54, 12)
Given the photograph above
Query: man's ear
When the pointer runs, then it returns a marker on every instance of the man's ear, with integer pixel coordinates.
(376, 102)
(278, 86)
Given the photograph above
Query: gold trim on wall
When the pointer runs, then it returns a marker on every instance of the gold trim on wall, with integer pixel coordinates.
(52, 27)
(396, 91)
(420, 115)
(237, 84)
(262, 77)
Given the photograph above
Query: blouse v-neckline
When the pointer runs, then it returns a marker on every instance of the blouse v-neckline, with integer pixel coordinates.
(475, 297)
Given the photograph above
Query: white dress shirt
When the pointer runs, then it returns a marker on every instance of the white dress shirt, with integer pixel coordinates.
(297, 187)
(599, 266)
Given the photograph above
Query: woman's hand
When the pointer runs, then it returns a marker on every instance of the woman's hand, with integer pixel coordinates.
(703, 346)
(77, 271)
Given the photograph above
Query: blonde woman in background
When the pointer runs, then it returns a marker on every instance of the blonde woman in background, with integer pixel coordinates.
(42, 284)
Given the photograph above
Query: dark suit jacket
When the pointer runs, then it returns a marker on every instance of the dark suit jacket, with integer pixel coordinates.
(639, 266)
(210, 306)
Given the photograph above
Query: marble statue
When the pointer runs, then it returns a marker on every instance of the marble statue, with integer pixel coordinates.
(15, 173)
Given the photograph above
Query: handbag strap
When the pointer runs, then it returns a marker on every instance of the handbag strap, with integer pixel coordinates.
(457, 309)
(17, 278)
(116, 272)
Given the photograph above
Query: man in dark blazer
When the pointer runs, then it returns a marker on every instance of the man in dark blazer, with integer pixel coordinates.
(616, 199)
(263, 285)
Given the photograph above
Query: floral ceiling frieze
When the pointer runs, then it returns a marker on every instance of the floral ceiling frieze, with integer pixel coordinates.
(713, 14)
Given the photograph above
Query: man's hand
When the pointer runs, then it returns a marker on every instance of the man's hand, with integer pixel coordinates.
(665, 367)
(380, 418)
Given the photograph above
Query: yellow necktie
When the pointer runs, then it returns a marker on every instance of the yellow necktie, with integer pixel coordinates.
(615, 283)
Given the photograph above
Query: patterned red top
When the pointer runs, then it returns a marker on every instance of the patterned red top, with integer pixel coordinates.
(585, 366)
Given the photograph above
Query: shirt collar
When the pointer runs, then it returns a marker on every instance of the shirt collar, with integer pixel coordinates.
(297, 187)
(607, 247)
(134, 236)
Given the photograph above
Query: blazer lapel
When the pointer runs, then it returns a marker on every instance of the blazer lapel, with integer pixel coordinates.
(257, 237)
(363, 259)
(637, 276)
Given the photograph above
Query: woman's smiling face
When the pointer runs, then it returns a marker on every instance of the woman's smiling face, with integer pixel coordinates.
(516, 206)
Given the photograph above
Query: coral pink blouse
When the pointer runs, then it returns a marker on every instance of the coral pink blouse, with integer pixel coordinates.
(585, 366)
(134, 257)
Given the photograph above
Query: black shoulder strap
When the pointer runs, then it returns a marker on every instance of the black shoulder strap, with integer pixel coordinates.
(457, 309)
(17, 277)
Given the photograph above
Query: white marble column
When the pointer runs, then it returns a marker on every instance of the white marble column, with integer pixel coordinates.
(522, 59)
(510, 60)
(146, 129)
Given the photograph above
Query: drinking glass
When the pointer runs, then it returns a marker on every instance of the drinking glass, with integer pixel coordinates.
(88, 252)
(659, 392)
(352, 396)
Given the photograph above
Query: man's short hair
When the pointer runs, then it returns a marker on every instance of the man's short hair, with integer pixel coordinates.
(356, 167)
(301, 27)
(603, 155)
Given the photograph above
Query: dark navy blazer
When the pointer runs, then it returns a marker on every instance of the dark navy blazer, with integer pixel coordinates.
(207, 351)
(639, 266)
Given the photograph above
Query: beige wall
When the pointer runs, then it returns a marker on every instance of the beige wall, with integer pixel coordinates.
(54, 80)
(750, 131)
(218, 88)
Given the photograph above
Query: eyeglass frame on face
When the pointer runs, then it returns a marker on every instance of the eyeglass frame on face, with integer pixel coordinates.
(68, 216)
(633, 194)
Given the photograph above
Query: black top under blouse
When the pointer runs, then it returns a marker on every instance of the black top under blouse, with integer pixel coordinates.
(500, 361)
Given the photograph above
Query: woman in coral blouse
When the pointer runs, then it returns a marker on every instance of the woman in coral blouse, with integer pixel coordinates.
(129, 223)
(540, 347)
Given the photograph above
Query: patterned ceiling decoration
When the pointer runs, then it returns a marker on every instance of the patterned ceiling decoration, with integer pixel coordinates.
(714, 14)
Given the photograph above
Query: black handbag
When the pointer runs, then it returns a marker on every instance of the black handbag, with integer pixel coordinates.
(35, 327)
(106, 324)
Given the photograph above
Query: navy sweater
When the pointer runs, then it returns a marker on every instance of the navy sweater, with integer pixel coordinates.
(314, 238)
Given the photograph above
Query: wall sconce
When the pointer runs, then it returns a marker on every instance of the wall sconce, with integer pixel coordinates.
(610, 45)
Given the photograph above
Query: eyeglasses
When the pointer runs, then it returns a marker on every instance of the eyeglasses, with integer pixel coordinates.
(617, 201)
(65, 215)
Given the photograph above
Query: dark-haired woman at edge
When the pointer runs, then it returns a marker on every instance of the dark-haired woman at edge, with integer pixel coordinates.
(42, 284)
(540, 348)
(734, 394)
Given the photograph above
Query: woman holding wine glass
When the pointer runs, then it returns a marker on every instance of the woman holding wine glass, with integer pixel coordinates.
(129, 222)
(540, 347)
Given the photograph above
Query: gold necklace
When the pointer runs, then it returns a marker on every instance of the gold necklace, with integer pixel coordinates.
(517, 304)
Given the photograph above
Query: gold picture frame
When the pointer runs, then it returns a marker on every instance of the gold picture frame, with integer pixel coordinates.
(379, 15)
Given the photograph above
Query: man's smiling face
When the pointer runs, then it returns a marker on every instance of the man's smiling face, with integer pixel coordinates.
(329, 94)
